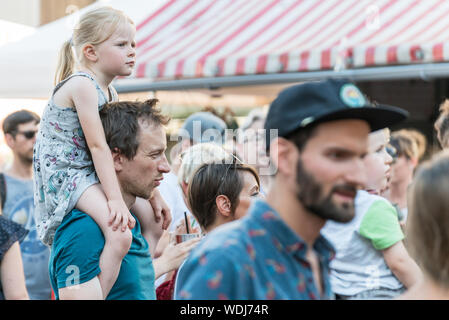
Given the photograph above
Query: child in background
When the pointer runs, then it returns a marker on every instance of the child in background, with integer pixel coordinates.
(71, 156)
(371, 260)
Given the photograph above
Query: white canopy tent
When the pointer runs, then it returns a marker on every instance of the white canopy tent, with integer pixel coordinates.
(12, 32)
(27, 67)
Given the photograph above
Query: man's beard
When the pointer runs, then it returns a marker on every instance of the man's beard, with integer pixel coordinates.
(26, 159)
(310, 194)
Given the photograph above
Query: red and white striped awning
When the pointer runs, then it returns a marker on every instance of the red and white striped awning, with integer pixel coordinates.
(213, 38)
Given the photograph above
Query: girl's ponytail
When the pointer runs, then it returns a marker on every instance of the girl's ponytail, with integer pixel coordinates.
(66, 62)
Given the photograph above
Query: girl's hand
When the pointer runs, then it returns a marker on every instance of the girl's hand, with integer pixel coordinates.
(160, 209)
(120, 215)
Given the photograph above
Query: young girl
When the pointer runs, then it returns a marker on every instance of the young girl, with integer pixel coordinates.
(371, 260)
(71, 156)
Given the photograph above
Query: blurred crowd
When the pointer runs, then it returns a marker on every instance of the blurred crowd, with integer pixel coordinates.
(316, 198)
(214, 180)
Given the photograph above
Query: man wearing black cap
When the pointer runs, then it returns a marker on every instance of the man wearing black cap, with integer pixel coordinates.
(276, 251)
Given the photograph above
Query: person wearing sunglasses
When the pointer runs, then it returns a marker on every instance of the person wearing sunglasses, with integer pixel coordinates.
(402, 170)
(20, 130)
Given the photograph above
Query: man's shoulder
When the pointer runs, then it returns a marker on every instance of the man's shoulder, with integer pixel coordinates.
(77, 237)
(222, 265)
(235, 241)
(229, 241)
(76, 250)
(16, 188)
(76, 228)
(11, 178)
(78, 216)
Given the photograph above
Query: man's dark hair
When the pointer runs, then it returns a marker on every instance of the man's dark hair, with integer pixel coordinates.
(121, 123)
(13, 120)
(302, 136)
(210, 181)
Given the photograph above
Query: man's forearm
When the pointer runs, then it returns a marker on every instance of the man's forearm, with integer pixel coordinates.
(161, 267)
(90, 290)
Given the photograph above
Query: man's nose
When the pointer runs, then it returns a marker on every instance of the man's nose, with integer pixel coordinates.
(164, 166)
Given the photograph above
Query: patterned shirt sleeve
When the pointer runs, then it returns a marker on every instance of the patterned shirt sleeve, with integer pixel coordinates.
(209, 276)
(10, 232)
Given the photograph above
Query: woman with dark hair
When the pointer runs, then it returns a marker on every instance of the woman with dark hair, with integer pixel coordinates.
(12, 278)
(220, 193)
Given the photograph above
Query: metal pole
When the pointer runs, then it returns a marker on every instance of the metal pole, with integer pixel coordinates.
(413, 71)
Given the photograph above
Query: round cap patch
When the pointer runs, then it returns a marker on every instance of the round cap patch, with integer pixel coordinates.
(352, 96)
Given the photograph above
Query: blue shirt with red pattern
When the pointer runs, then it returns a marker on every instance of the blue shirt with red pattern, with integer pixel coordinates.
(255, 258)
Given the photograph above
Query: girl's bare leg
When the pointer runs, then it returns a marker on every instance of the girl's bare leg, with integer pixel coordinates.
(117, 243)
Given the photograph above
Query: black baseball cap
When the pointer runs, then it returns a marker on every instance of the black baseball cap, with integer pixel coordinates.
(320, 101)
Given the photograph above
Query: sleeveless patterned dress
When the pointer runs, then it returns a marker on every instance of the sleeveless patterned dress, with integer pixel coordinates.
(62, 164)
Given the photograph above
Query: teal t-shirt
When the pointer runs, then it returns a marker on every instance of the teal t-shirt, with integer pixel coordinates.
(75, 259)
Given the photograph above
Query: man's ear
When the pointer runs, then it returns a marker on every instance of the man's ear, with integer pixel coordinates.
(283, 154)
(118, 159)
(10, 140)
(223, 205)
(90, 53)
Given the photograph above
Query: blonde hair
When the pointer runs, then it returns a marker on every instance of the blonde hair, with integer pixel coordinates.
(442, 124)
(421, 141)
(427, 232)
(405, 144)
(94, 27)
(199, 154)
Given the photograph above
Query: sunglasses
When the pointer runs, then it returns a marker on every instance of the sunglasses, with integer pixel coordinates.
(392, 152)
(27, 134)
(234, 164)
